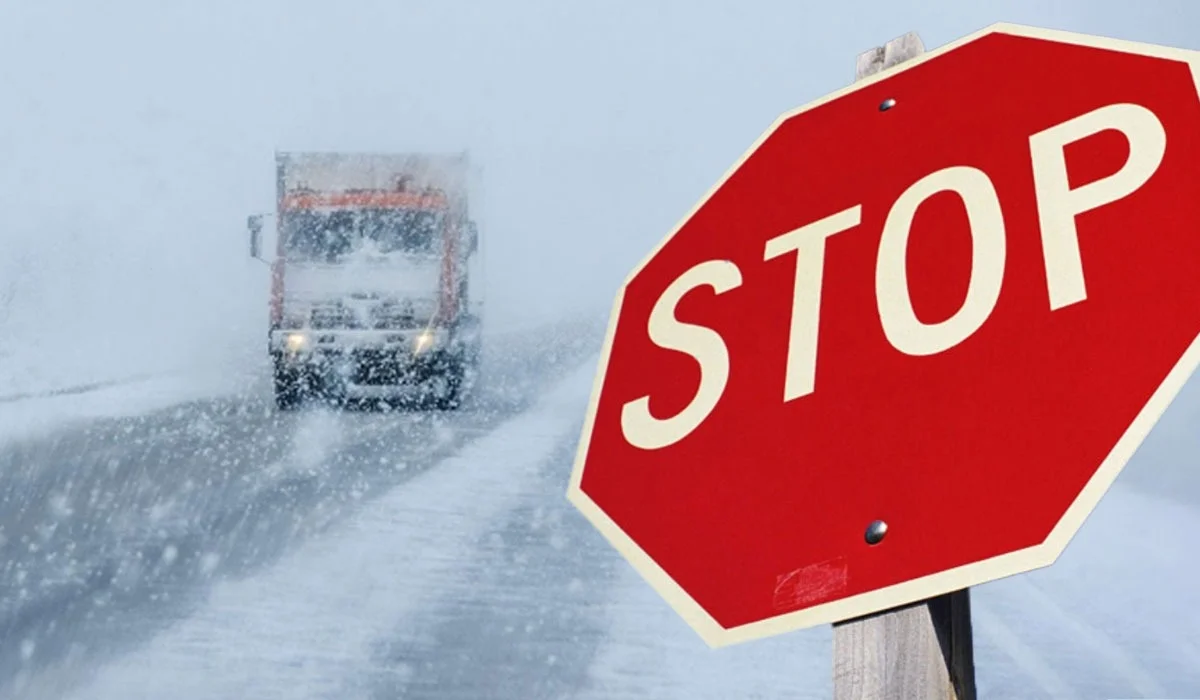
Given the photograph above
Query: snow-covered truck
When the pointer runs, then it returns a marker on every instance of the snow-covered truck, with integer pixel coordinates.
(376, 278)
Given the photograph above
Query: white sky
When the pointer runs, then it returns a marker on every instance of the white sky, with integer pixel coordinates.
(136, 135)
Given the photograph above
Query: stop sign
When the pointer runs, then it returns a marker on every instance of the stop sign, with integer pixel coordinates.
(951, 299)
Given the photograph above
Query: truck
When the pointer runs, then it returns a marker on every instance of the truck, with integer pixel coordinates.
(375, 289)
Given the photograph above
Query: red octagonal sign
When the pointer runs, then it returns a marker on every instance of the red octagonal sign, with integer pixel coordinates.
(959, 314)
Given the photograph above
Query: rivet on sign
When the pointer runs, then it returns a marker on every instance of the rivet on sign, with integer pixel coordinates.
(887, 104)
(875, 532)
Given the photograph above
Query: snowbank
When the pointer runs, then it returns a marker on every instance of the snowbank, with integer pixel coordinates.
(28, 417)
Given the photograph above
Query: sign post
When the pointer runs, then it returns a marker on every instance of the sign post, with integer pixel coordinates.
(923, 650)
(904, 346)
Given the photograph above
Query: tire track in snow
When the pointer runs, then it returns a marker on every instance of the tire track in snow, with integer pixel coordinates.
(84, 388)
(522, 617)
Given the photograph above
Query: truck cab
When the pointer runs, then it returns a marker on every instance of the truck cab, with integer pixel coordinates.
(371, 294)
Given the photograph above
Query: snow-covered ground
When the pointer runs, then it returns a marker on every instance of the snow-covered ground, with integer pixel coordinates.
(479, 575)
(30, 416)
(305, 628)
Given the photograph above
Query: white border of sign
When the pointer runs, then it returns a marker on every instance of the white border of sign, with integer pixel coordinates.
(936, 584)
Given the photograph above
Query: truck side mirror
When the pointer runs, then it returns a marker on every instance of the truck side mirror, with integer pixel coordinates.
(472, 237)
(254, 224)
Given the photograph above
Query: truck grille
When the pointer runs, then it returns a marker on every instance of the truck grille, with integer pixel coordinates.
(375, 367)
(380, 317)
(393, 318)
(328, 317)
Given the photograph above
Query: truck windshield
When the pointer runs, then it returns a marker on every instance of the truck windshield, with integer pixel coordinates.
(318, 236)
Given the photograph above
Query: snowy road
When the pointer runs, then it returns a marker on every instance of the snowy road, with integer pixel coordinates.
(453, 567)
(111, 529)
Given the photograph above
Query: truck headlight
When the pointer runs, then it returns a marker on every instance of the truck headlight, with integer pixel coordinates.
(423, 342)
(295, 342)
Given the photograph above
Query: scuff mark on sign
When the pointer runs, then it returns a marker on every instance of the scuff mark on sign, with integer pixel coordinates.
(802, 586)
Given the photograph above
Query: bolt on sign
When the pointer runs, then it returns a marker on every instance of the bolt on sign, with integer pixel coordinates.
(907, 342)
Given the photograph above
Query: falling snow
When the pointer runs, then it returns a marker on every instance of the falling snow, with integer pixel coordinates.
(166, 532)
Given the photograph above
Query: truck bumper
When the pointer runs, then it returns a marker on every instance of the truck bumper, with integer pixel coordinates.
(368, 364)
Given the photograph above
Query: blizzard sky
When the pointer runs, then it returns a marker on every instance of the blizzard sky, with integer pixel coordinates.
(136, 135)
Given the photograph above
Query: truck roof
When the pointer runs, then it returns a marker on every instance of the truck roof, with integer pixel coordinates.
(359, 174)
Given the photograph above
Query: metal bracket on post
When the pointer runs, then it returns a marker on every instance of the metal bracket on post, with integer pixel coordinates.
(880, 58)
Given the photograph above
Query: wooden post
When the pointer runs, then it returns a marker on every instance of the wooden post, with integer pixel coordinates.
(919, 651)
(923, 650)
